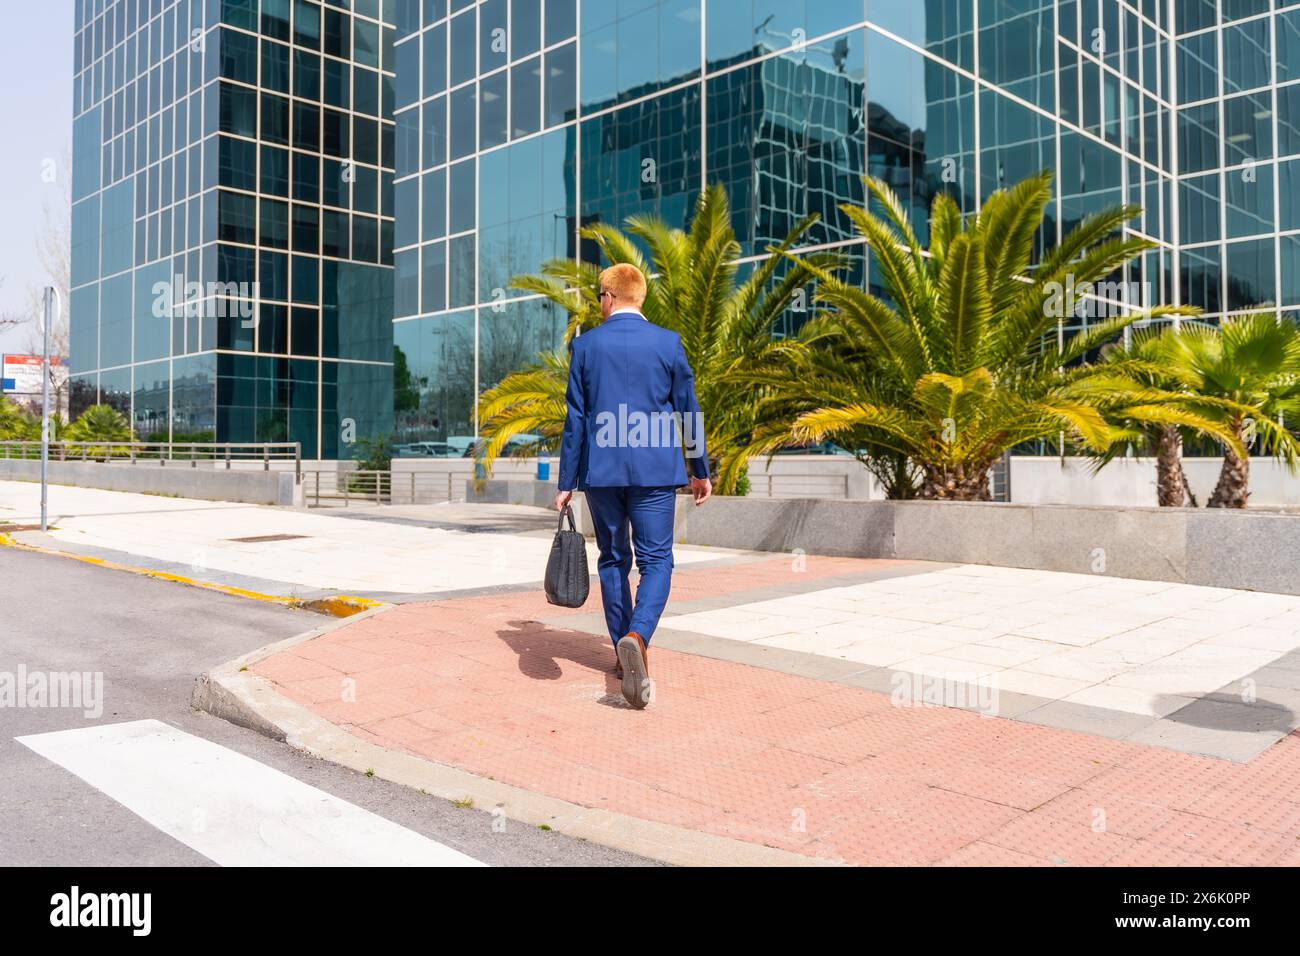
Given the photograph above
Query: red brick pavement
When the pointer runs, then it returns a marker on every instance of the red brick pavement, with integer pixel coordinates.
(809, 766)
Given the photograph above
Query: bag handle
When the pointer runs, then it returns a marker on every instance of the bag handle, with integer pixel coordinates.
(559, 525)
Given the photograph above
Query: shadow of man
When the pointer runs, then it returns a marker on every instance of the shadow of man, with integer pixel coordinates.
(541, 649)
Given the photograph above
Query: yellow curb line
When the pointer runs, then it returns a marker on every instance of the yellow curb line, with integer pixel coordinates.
(340, 605)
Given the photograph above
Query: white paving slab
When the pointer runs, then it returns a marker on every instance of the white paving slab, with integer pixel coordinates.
(334, 552)
(1142, 647)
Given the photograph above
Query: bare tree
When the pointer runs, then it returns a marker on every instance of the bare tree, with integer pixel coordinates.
(8, 320)
(53, 242)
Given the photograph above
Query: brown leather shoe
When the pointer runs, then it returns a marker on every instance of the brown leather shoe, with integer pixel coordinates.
(618, 665)
(633, 655)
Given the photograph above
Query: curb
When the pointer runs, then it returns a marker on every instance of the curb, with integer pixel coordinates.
(235, 695)
(340, 605)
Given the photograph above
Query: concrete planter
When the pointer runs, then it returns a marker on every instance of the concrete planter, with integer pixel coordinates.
(1251, 550)
(178, 479)
(496, 491)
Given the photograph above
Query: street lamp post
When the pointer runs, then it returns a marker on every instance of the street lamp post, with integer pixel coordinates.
(51, 297)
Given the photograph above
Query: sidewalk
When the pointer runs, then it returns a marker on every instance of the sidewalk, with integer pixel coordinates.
(505, 687)
(838, 709)
(412, 551)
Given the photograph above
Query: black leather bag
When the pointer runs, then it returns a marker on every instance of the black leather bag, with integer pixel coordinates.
(567, 578)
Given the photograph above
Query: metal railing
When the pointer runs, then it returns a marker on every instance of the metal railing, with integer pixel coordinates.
(799, 485)
(1000, 479)
(227, 454)
(328, 487)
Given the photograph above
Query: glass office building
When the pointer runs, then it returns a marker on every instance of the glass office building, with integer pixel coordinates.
(517, 122)
(233, 218)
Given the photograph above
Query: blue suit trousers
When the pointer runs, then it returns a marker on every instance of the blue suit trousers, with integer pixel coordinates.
(649, 513)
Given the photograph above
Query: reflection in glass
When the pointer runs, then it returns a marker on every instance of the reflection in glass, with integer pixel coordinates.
(433, 388)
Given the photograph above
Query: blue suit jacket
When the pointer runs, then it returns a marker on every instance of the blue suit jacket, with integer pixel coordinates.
(632, 417)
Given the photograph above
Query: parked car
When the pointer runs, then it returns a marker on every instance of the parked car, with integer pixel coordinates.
(413, 450)
(438, 449)
(462, 446)
(821, 448)
(525, 443)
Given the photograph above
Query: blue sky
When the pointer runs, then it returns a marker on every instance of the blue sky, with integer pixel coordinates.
(36, 117)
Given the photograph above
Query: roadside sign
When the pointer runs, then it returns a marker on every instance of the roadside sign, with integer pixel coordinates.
(20, 378)
(22, 373)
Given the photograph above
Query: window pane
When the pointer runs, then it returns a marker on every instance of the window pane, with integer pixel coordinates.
(492, 115)
(275, 171)
(237, 218)
(239, 56)
(238, 110)
(434, 276)
(275, 119)
(1198, 138)
(1250, 201)
(464, 34)
(306, 75)
(275, 224)
(408, 74)
(407, 198)
(1246, 62)
(435, 60)
(365, 42)
(561, 20)
(1250, 274)
(434, 147)
(1247, 128)
(561, 87)
(462, 197)
(463, 122)
(306, 229)
(494, 47)
(306, 24)
(526, 97)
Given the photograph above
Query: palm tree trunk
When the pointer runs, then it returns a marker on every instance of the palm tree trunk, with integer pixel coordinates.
(965, 482)
(1187, 491)
(1234, 477)
(1170, 480)
(895, 473)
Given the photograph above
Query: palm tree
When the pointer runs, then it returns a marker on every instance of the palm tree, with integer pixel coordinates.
(725, 325)
(15, 425)
(102, 423)
(959, 367)
(1250, 365)
(1202, 415)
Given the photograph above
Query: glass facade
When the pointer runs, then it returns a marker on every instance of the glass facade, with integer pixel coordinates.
(232, 243)
(1238, 63)
(517, 122)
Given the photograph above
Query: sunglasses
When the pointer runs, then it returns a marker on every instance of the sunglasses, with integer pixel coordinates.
(604, 293)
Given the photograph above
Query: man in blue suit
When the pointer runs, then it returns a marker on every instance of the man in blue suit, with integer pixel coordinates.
(631, 427)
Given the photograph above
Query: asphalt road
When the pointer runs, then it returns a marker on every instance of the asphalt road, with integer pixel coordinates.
(150, 639)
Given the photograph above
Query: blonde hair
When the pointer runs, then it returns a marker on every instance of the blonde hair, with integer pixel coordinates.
(625, 281)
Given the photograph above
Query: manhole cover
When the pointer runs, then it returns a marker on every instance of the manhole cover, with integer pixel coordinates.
(269, 537)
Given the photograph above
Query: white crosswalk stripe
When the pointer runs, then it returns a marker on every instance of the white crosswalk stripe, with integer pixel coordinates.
(229, 807)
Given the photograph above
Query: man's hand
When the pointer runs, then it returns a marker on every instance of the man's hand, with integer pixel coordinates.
(562, 498)
(702, 490)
